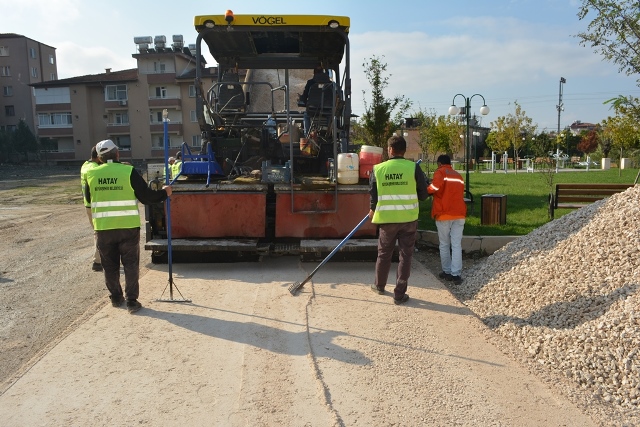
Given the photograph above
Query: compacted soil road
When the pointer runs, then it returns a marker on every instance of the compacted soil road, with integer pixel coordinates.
(243, 351)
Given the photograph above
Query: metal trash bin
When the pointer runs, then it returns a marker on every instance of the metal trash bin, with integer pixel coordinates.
(493, 209)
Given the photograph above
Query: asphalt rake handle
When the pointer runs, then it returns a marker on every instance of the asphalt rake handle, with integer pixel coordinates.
(170, 283)
(294, 287)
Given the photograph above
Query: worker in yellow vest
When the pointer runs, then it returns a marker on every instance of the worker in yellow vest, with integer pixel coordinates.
(395, 187)
(113, 191)
(176, 167)
(171, 161)
(90, 164)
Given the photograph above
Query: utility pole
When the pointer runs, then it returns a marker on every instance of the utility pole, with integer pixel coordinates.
(560, 108)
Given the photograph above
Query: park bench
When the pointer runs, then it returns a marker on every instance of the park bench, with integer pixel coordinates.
(575, 196)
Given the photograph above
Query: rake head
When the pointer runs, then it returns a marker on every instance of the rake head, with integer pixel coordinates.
(293, 288)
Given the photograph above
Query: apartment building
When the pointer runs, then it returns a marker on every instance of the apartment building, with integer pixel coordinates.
(125, 106)
(578, 127)
(23, 62)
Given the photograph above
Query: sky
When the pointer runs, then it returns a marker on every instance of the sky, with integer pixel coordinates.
(507, 51)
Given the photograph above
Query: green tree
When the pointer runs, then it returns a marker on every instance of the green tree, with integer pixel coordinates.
(623, 132)
(5, 145)
(490, 141)
(45, 145)
(605, 143)
(24, 140)
(377, 120)
(498, 139)
(511, 131)
(543, 145)
(563, 141)
(589, 142)
(614, 32)
(423, 120)
(522, 127)
(447, 131)
(358, 133)
(438, 134)
(626, 105)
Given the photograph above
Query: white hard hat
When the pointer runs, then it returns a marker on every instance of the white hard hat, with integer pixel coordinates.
(105, 146)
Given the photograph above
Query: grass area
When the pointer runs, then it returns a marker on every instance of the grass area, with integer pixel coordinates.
(527, 198)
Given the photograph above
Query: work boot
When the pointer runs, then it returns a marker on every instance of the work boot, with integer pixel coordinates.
(116, 300)
(445, 276)
(378, 291)
(133, 305)
(456, 280)
(402, 300)
(96, 266)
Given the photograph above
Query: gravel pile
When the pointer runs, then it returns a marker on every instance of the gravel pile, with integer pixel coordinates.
(566, 296)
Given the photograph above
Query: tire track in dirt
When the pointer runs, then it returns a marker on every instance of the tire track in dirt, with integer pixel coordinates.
(46, 279)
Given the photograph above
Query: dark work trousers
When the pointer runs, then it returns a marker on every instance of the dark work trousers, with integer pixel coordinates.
(405, 235)
(122, 245)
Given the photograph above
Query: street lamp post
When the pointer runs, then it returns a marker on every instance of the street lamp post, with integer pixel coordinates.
(560, 108)
(453, 110)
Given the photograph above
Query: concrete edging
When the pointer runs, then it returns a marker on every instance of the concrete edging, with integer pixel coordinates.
(483, 244)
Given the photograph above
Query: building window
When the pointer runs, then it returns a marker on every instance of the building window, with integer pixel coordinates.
(192, 91)
(116, 93)
(52, 60)
(159, 67)
(122, 141)
(121, 118)
(7, 90)
(54, 119)
(161, 92)
(32, 53)
(157, 141)
(196, 141)
(4, 51)
(9, 110)
(61, 119)
(52, 76)
(192, 113)
(34, 72)
(5, 71)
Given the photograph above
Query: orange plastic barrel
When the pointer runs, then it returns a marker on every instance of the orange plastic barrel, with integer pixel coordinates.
(369, 156)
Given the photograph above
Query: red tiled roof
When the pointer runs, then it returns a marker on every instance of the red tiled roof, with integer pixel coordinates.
(110, 77)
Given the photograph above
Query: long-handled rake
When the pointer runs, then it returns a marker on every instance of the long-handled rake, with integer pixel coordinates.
(170, 283)
(293, 288)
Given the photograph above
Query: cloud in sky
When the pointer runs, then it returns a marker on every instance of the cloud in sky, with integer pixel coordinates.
(81, 60)
(508, 60)
(47, 16)
(504, 50)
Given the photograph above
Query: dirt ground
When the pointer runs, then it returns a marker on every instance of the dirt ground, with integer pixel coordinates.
(46, 282)
(45, 278)
(49, 295)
